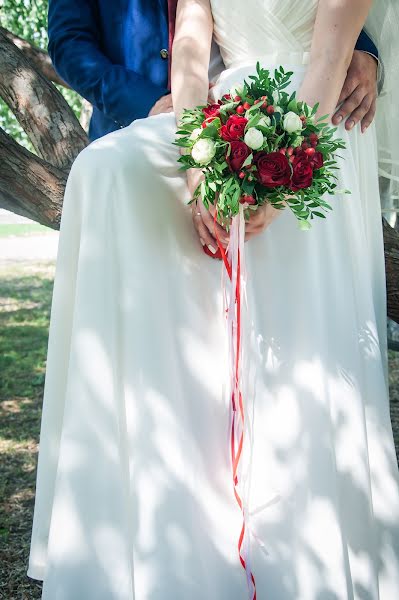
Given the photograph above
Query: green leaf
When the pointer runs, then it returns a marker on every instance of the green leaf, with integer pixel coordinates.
(304, 225)
(248, 160)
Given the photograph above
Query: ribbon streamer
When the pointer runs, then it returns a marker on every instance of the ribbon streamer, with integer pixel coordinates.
(233, 286)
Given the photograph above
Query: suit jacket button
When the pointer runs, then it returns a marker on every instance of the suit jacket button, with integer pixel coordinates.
(164, 53)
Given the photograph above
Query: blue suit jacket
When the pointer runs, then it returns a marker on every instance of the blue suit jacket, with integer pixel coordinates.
(110, 52)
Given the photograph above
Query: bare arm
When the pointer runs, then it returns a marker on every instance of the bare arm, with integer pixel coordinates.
(190, 86)
(191, 54)
(337, 27)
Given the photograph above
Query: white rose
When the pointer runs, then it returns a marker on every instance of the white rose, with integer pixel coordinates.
(203, 151)
(196, 133)
(254, 138)
(264, 122)
(292, 122)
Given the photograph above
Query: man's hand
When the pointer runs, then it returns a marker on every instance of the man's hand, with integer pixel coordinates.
(163, 105)
(359, 92)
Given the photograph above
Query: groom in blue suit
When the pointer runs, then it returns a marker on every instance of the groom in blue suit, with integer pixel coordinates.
(116, 55)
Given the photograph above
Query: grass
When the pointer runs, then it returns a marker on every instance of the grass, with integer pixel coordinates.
(24, 319)
(7, 229)
(25, 304)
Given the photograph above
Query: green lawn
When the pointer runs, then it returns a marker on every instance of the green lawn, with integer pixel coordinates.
(7, 229)
(24, 318)
(25, 303)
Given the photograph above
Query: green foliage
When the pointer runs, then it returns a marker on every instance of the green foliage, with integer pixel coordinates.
(28, 19)
(264, 104)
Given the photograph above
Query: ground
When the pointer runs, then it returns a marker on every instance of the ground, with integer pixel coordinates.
(27, 269)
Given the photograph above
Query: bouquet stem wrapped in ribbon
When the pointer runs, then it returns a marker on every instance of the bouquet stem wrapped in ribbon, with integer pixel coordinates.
(257, 144)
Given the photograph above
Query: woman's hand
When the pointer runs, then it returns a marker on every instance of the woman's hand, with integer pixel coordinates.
(203, 219)
(259, 219)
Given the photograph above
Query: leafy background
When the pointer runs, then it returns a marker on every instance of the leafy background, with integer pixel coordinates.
(28, 19)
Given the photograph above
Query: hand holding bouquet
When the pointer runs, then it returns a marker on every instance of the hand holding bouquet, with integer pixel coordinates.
(259, 144)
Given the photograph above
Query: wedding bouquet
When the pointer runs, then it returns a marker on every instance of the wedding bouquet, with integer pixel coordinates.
(257, 144)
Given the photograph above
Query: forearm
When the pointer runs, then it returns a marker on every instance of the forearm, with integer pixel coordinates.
(337, 27)
(191, 55)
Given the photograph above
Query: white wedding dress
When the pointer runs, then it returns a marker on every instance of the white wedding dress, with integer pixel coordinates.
(134, 496)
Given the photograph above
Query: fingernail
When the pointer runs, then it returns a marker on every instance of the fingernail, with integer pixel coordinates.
(351, 124)
(212, 249)
(202, 241)
(338, 118)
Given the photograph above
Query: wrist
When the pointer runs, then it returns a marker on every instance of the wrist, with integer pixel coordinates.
(331, 62)
(322, 84)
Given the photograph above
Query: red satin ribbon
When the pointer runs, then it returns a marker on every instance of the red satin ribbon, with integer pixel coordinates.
(236, 395)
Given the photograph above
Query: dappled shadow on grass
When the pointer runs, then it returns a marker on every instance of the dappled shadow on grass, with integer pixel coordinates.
(24, 317)
(25, 301)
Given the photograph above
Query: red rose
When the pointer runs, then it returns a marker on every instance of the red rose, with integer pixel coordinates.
(272, 169)
(234, 128)
(212, 110)
(317, 160)
(238, 155)
(302, 173)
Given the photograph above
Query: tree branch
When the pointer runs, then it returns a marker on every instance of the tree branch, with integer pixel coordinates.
(39, 107)
(30, 186)
(37, 57)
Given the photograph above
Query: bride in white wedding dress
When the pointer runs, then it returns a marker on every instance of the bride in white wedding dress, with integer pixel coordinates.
(134, 499)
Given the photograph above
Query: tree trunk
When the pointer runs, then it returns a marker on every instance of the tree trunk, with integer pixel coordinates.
(391, 240)
(30, 186)
(37, 57)
(41, 110)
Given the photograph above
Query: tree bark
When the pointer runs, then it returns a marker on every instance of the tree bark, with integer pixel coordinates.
(37, 57)
(30, 186)
(40, 109)
(391, 241)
